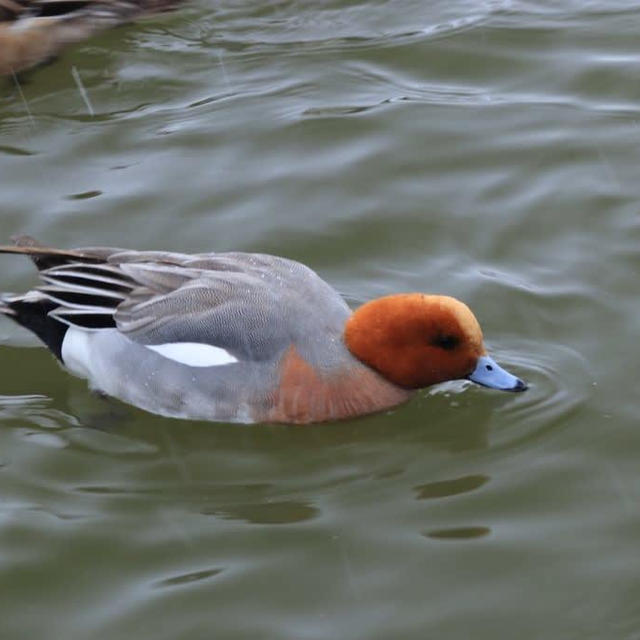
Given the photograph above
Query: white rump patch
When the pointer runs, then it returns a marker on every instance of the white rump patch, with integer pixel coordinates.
(75, 351)
(194, 354)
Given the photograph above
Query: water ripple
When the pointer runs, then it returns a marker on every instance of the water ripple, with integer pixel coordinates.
(459, 533)
(447, 488)
(35, 410)
(314, 23)
(187, 578)
(281, 512)
(560, 381)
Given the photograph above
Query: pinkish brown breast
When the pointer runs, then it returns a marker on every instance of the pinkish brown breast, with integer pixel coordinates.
(305, 395)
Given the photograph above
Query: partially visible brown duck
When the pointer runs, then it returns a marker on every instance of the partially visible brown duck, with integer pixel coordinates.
(33, 31)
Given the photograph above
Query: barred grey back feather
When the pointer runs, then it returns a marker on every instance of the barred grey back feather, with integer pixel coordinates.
(252, 305)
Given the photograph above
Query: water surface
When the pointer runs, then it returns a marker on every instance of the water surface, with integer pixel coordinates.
(487, 150)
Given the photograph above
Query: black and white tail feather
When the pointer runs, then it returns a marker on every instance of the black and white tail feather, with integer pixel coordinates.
(85, 295)
(78, 291)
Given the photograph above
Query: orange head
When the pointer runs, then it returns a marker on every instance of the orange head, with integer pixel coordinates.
(416, 340)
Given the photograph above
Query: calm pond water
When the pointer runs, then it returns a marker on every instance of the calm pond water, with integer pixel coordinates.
(483, 149)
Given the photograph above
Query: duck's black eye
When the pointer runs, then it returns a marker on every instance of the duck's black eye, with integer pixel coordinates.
(447, 342)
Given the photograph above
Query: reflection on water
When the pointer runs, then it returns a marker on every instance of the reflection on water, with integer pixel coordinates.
(459, 533)
(286, 512)
(187, 578)
(483, 149)
(34, 410)
(445, 488)
(353, 24)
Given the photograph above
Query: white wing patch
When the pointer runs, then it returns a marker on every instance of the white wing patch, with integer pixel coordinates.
(194, 354)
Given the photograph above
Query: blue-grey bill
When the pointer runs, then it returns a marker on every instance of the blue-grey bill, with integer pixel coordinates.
(489, 373)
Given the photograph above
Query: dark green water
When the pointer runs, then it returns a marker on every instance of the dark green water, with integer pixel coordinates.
(487, 150)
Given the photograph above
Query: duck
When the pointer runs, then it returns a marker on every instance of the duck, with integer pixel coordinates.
(241, 337)
(35, 31)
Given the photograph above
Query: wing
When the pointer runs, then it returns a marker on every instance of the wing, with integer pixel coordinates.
(253, 306)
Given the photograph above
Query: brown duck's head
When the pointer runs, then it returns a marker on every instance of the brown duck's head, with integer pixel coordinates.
(416, 340)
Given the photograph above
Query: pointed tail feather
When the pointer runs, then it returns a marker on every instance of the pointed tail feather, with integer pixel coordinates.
(5, 309)
(45, 257)
(79, 289)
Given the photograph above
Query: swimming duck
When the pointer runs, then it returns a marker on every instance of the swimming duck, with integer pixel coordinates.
(34, 31)
(241, 337)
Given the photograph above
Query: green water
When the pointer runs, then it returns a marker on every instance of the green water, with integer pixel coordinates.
(489, 150)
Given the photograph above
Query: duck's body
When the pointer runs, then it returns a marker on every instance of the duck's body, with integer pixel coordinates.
(238, 336)
(34, 31)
